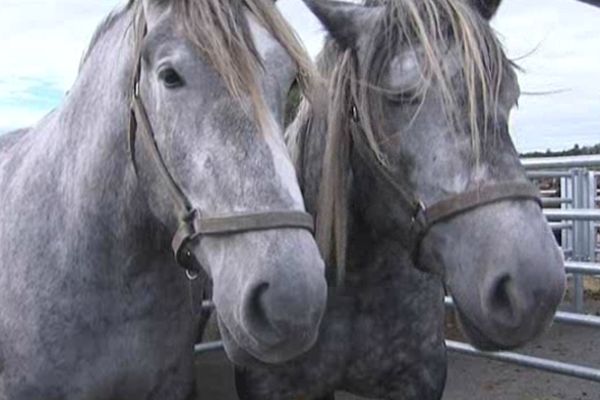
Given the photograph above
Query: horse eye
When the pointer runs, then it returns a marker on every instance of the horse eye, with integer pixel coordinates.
(405, 98)
(170, 78)
(186, 259)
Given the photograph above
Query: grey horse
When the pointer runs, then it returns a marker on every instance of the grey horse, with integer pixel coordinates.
(93, 304)
(419, 98)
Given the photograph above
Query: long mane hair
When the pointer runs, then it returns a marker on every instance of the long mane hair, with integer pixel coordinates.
(219, 30)
(432, 26)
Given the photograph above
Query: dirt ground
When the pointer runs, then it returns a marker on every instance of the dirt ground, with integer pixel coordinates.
(473, 378)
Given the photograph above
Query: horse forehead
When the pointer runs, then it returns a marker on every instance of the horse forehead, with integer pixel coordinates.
(406, 68)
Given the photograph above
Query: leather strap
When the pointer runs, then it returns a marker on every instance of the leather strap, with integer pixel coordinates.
(140, 31)
(406, 199)
(482, 196)
(181, 204)
(424, 217)
(238, 223)
(465, 202)
(192, 224)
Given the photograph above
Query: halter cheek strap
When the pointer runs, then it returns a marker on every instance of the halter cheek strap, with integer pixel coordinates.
(192, 224)
(462, 203)
(424, 217)
(195, 226)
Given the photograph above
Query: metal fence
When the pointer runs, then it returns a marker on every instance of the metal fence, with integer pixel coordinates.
(571, 206)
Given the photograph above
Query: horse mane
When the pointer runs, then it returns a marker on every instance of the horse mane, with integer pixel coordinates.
(102, 28)
(435, 26)
(219, 30)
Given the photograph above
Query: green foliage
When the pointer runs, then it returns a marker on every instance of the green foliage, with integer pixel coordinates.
(575, 151)
(292, 104)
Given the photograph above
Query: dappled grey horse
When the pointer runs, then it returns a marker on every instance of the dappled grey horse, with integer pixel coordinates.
(97, 196)
(411, 172)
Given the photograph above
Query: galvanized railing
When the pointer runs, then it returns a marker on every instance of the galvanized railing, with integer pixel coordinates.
(578, 220)
(577, 217)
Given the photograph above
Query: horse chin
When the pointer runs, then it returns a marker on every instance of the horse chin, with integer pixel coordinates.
(487, 341)
(255, 355)
(479, 339)
(237, 354)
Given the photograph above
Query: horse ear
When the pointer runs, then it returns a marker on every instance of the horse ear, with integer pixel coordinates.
(595, 3)
(344, 21)
(487, 8)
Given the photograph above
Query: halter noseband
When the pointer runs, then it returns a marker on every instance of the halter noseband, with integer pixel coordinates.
(424, 217)
(192, 223)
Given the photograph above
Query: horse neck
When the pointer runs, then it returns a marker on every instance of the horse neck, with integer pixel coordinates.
(309, 131)
(85, 140)
(372, 256)
(307, 136)
(95, 113)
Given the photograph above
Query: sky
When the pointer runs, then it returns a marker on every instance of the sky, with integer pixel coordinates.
(556, 42)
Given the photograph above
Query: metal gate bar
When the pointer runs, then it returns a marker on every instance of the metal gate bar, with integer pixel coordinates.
(208, 347)
(583, 268)
(573, 214)
(591, 161)
(556, 367)
(569, 220)
(591, 321)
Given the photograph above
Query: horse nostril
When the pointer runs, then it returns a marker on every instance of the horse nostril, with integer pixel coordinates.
(255, 314)
(255, 301)
(500, 298)
(502, 302)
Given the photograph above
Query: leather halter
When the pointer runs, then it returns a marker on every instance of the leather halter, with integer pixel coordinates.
(423, 216)
(192, 223)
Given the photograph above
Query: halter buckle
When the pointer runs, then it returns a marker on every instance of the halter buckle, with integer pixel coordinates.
(354, 113)
(184, 234)
(419, 217)
(192, 275)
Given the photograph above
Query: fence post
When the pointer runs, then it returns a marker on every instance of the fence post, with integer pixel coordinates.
(581, 232)
(591, 201)
(566, 192)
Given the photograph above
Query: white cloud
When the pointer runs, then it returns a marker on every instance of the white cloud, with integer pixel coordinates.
(566, 37)
(305, 23)
(47, 37)
(43, 40)
(16, 117)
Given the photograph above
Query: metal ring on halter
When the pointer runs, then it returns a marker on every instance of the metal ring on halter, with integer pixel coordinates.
(192, 224)
(192, 275)
(354, 113)
(419, 217)
(423, 217)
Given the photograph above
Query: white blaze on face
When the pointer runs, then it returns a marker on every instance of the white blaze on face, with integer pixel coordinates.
(267, 46)
(284, 166)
